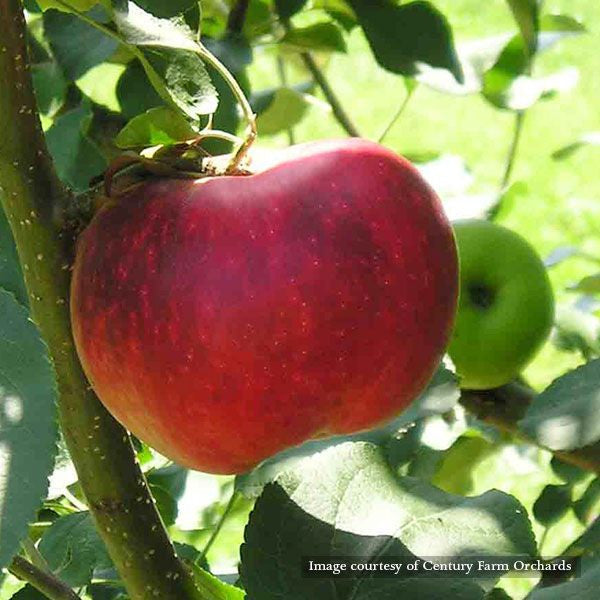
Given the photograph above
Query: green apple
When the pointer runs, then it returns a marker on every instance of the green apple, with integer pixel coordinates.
(506, 306)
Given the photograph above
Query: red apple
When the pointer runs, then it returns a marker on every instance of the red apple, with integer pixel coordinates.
(224, 319)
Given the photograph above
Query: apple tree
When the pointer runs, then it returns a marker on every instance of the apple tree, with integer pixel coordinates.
(130, 127)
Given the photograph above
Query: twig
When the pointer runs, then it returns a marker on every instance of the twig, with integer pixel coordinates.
(397, 114)
(237, 16)
(338, 111)
(504, 407)
(34, 555)
(43, 581)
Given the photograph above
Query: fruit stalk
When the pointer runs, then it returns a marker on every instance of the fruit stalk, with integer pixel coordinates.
(34, 200)
(237, 91)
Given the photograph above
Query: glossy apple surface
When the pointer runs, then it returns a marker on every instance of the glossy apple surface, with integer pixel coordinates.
(225, 319)
(506, 306)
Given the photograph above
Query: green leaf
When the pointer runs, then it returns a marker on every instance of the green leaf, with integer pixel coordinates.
(262, 99)
(73, 549)
(509, 199)
(339, 11)
(439, 397)
(588, 285)
(320, 37)
(259, 19)
(28, 593)
(345, 502)
(171, 478)
(552, 504)
(287, 109)
(497, 594)
(181, 79)
(454, 473)
(566, 415)
(11, 276)
(212, 588)
(288, 8)
(28, 429)
(166, 9)
(587, 507)
(165, 503)
(577, 331)
(156, 126)
(50, 87)
(167, 51)
(588, 542)
(76, 157)
(140, 28)
(526, 15)
(76, 45)
(588, 139)
(562, 24)
(403, 35)
(584, 587)
(80, 5)
(569, 473)
(105, 591)
(507, 84)
(135, 92)
(233, 51)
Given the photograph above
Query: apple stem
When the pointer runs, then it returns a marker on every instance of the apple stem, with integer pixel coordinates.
(234, 86)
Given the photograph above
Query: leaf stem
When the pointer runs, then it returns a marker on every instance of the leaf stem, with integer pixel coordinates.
(237, 91)
(338, 110)
(219, 135)
(512, 152)
(218, 528)
(397, 115)
(43, 581)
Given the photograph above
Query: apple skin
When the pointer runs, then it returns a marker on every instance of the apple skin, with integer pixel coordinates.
(225, 319)
(506, 306)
